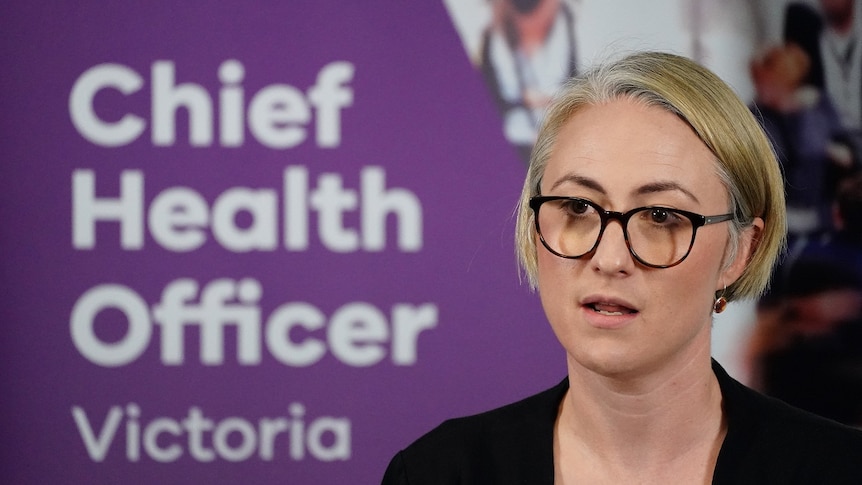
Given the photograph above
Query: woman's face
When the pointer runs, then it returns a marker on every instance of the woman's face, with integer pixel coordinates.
(613, 315)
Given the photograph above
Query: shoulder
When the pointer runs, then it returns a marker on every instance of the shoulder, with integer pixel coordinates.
(769, 441)
(510, 441)
(498, 427)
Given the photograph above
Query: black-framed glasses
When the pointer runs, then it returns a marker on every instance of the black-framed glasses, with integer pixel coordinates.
(658, 237)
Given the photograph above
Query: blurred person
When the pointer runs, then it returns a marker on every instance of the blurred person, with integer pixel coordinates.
(527, 52)
(807, 345)
(845, 243)
(652, 199)
(815, 150)
(841, 53)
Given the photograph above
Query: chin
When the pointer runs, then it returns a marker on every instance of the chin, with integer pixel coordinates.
(608, 362)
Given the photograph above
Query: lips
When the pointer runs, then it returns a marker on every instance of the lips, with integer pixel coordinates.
(610, 309)
(608, 313)
(609, 306)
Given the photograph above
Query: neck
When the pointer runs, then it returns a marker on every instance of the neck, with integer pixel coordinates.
(645, 423)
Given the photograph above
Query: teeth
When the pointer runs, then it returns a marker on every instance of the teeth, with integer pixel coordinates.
(603, 312)
(610, 310)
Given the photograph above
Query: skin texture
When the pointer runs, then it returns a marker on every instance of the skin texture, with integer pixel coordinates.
(647, 405)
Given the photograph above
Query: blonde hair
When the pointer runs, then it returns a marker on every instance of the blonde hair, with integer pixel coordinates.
(744, 159)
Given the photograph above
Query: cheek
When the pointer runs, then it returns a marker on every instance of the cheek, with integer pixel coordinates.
(699, 275)
(554, 287)
(554, 279)
(551, 270)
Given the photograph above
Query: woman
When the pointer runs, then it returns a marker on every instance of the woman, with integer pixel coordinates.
(652, 199)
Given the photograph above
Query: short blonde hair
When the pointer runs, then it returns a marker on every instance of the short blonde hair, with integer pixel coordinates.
(744, 158)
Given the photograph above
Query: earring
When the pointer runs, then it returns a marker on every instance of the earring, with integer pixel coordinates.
(721, 302)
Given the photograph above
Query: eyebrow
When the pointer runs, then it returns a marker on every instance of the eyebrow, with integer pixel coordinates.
(650, 188)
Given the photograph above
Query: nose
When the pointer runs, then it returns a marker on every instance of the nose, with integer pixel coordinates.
(612, 255)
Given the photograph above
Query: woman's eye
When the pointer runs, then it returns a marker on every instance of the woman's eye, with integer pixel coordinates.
(577, 207)
(664, 217)
(659, 215)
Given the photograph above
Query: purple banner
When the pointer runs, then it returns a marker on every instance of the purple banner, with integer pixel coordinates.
(263, 242)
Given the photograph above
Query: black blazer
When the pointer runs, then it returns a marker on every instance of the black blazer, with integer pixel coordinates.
(767, 442)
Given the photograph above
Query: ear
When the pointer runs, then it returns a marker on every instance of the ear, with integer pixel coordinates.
(748, 241)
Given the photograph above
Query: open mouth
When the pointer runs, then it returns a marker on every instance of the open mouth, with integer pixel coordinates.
(610, 309)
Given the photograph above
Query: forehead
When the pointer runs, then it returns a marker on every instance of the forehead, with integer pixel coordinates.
(623, 145)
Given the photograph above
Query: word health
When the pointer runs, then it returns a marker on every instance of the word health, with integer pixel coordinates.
(180, 219)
